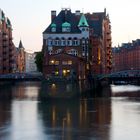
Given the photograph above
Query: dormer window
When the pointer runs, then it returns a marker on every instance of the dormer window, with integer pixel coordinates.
(53, 27)
(66, 27)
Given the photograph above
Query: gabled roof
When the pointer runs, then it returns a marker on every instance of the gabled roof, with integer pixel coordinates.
(65, 16)
(93, 21)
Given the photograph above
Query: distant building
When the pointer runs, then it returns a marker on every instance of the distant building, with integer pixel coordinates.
(7, 48)
(126, 56)
(30, 65)
(20, 58)
(76, 43)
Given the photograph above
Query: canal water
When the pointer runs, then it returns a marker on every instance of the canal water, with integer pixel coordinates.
(28, 113)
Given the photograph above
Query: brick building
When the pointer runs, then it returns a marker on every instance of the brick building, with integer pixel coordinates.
(7, 48)
(100, 42)
(20, 58)
(126, 56)
(76, 43)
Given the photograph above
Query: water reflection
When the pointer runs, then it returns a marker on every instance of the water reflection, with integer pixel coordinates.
(26, 90)
(76, 119)
(125, 90)
(24, 115)
(125, 118)
(60, 90)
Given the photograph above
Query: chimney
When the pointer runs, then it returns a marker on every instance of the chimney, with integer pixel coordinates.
(53, 15)
(77, 13)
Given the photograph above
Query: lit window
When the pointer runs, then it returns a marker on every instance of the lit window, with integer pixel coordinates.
(69, 62)
(64, 72)
(68, 71)
(51, 62)
(56, 73)
(56, 62)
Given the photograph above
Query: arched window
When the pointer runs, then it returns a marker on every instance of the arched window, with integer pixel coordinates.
(69, 41)
(50, 41)
(83, 40)
(63, 41)
(57, 41)
(75, 42)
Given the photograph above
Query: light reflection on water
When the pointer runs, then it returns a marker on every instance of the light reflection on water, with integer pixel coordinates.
(23, 116)
(124, 88)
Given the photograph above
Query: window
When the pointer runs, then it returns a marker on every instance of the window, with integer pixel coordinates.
(53, 29)
(83, 41)
(83, 29)
(63, 42)
(58, 51)
(64, 62)
(83, 48)
(56, 62)
(57, 42)
(66, 27)
(49, 42)
(69, 42)
(50, 52)
(69, 62)
(53, 62)
(73, 52)
(75, 42)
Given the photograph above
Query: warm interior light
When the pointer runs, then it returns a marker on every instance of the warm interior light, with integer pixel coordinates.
(64, 71)
(68, 71)
(52, 61)
(56, 72)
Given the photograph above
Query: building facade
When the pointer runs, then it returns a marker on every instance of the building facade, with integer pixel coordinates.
(30, 65)
(7, 48)
(20, 58)
(76, 43)
(100, 42)
(126, 56)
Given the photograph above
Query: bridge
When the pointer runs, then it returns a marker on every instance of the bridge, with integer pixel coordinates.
(21, 77)
(125, 75)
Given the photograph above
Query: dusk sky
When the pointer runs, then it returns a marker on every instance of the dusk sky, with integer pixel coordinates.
(30, 18)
